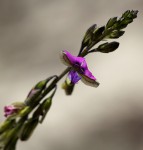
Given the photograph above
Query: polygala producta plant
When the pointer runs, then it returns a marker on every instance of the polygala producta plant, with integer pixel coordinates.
(22, 118)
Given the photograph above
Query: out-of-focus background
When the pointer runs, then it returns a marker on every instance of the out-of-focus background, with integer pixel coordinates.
(32, 34)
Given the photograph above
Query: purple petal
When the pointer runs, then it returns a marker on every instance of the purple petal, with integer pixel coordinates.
(73, 76)
(67, 58)
(89, 81)
(89, 74)
(80, 69)
(9, 110)
(80, 60)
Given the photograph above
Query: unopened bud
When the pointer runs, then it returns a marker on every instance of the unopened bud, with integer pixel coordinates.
(36, 91)
(45, 106)
(28, 129)
(108, 47)
(116, 34)
(6, 125)
(111, 22)
(68, 87)
(13, 108)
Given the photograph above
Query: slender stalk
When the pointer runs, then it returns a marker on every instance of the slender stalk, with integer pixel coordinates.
(52, 85)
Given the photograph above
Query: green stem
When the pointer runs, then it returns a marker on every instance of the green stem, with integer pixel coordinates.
(52, 85)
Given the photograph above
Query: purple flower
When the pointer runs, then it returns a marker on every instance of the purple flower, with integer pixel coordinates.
(33, 92)
(13, 108)
(79, 69)
(9, 110)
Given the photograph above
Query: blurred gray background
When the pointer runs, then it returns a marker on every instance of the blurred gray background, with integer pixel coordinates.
(32, 34)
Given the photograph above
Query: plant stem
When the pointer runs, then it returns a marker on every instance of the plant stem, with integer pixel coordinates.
(52, 85)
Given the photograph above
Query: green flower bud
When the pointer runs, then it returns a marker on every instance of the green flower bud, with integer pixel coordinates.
(24, 111)
(45, 107)
(36, 91)
(108, 47)
(28, 129)
(116, 34)
(126, 13)
(89, 34)
(9, 138)
(111, 22)
(98, 32)
(68, 87)
(8, 123)
(87, 37)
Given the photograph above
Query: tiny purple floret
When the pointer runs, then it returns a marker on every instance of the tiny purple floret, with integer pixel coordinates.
(79, 69)
(73, 76)
(9, 110)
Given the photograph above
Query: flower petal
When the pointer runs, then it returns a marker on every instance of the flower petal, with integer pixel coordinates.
(79, 69)
(89, 79)
(67, 58)
(89, 74)
(9, 110)
(73, 76)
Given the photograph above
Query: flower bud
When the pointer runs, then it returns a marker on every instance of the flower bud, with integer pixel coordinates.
(97, 33)
(13, 108)
(111, 22)
(36, 91)
(45, 106)
(68, 87)
(116, 34)
(108, 47)
(28, 129)
(9, 138)
(6, 125)
(88, 35)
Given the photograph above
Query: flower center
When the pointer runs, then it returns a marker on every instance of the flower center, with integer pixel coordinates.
(78, 67)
